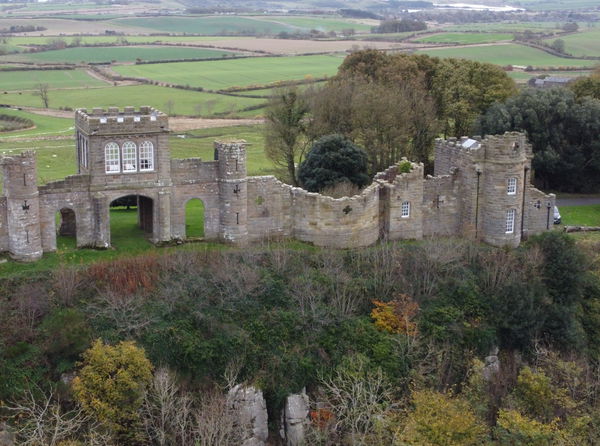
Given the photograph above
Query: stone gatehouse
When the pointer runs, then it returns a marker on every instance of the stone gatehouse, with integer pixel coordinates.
(481, 189)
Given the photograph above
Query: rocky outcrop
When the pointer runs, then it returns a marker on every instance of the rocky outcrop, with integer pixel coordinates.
(6, 436)
(294, 419)
(251, 408)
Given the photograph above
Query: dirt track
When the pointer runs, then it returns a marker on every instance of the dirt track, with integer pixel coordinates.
(177, 124)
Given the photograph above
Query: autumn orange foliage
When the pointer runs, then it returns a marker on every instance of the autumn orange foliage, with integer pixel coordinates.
(128, 275)
(321, 417)
(396, 316)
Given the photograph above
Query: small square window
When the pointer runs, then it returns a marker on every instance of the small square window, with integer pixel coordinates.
(136, 119)
(102, 120)
(120, 119)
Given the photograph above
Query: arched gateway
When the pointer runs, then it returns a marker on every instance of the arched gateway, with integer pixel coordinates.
(482, 190)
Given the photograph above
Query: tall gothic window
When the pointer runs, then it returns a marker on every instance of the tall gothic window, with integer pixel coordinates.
(146, 156)
(129, 157)
(112, 157)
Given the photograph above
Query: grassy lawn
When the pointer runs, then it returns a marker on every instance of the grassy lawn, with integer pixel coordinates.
(207, 25)
(588, 215)
(504, 27)
(582, 44)
(465, 38)
(511, 54)
(320, 23)
(182, 102)
(28, 80)
(202, 146)
(215, 75)
(118, 53)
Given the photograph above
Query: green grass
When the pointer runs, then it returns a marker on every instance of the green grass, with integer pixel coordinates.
(215, 75)
(511, 54)
(118, 54)
(44, 125)
(201, 146)
(28, 80)
(504, 27)
(465, 38)
(582, 44)
(183, 102)
(207, 25)
(320, 23)
(588, 215)
(194, 218)
(548, 5)
(95, 40)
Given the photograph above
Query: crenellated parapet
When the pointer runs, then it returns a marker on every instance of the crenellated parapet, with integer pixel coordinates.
(112, 121)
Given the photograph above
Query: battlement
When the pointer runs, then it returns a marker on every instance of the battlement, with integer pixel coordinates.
(507, 148)
(114, 121)
(23, 158)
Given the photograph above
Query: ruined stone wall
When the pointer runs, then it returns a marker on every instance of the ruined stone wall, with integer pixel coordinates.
(3, 225)
(398, 189)
(348, 222)
(539, 211)
(441, 206)
(270, 209)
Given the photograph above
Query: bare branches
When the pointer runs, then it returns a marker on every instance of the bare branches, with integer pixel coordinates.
(40, 419)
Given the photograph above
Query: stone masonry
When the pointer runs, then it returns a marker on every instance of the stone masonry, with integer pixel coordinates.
(481, 190)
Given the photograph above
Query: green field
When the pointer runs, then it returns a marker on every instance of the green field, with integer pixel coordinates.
(215, 75)
(524, 76)
(582, 44)
(580, 215)
(510, 54)
(465, 38)
(44, 125)
(118, 54)
(504, 27)
(320, 23)
(547, 5)
(207, 25)
(95, 40)
(181, 102)
(29, 80)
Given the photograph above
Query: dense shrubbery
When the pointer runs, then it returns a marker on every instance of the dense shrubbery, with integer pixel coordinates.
(285, 320)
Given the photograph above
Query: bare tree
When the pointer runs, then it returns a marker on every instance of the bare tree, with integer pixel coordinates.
(285, 129)
(217, 423)
(40, 419)
(42, 92)
(170, 107)
(356, 395)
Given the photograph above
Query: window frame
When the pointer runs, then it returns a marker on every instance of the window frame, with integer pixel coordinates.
(405, 209)
(511, 186)
(509, 223)
(146, 156)
(129, 148)
(112, 161)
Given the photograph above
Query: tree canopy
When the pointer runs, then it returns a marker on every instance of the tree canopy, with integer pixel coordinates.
(333, 159)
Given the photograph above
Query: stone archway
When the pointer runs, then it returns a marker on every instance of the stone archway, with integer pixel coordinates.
(131, 218)
(66, 228)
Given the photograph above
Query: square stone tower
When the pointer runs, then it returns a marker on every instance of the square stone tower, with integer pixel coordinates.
(123, 147)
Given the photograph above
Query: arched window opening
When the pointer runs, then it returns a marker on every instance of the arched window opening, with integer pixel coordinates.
(66, 229)
(112, 159)
(129, 157)
(194, 218)
(146, 156)
(131, 220)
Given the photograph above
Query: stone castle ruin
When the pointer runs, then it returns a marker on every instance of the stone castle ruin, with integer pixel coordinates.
(481, 190)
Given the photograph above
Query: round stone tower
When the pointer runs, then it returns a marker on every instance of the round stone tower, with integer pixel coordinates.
(504, 162)
(233, 191)
(23, 207)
